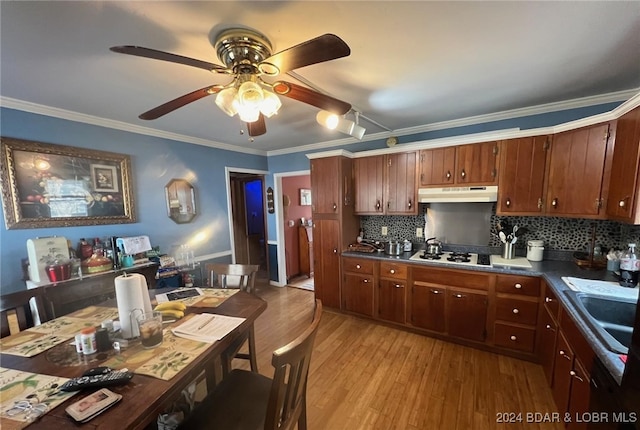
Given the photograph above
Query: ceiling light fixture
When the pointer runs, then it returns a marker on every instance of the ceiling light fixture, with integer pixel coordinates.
(248, 99)
(341, 124)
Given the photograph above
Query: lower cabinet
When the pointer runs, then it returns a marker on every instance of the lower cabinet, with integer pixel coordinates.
(392, 288)
(326, 261)
(467, 314)
(357, 294)
(428, 307)
(516, 312)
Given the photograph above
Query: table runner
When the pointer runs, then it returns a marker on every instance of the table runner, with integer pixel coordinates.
(16, 385)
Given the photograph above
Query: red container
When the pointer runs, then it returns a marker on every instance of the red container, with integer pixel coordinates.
(59, 272)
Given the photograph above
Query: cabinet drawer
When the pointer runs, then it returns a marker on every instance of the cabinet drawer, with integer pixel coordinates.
(358, 265)
(393, 270)
(526, 285)
(518, 338)
(519, 311)
(452, 278)
(551, 302)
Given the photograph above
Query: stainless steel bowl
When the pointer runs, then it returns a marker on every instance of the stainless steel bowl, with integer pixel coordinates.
(393, 247)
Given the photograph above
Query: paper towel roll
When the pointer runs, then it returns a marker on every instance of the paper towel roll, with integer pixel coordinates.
(131, 294)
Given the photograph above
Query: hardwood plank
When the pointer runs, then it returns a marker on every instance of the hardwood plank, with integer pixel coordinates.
(369, 376)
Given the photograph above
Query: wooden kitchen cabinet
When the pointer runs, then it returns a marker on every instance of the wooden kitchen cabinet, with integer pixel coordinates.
(467, 314)
(326, 256)
(358, 286)
(579, 160)
(522, 172)
(334, 224)
(386, 184)
(392, 288)
(474, 164)
(547, 334)
(623, 203)
(428, 307)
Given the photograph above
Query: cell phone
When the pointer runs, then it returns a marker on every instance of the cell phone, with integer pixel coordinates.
(93, 405)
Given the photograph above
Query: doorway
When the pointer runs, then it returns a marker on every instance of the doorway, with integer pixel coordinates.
(247, 220)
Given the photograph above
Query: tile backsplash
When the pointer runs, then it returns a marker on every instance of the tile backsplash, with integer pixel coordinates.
(559, 234)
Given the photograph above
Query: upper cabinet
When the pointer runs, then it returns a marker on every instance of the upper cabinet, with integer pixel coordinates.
(474, 164)
(331, 185)
(578, 177)
(623, 203)
(522, 169)
(386, 184)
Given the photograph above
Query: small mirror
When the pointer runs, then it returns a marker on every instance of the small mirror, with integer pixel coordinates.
(181, 201)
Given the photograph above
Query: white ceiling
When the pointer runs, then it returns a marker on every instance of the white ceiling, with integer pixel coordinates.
(412, 63)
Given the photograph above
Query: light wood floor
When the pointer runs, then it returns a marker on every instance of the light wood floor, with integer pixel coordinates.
(368, 376)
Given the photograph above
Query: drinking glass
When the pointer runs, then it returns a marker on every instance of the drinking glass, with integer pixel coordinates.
(150, 326)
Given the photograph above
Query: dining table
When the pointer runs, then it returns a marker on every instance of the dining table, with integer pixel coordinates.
(160, 374)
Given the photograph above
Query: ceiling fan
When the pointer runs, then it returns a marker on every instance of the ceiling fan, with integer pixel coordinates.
(246, 55)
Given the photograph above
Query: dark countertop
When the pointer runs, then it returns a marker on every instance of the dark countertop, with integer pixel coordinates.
(552, 272)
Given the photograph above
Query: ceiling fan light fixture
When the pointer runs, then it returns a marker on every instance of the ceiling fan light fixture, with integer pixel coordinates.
(227, 101)
(250, 94)
(270, 104)
(248, 113)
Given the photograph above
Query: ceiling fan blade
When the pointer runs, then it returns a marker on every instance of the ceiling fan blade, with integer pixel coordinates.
(322, 48)
(257, 128)
(164, 109)
(309, 96)
(165, 56)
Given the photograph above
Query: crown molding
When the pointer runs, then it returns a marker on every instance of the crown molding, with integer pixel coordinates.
(21, 105)
(335, 153)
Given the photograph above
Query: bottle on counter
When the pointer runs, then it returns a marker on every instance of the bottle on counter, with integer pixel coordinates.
(360, 235)
(629, 267)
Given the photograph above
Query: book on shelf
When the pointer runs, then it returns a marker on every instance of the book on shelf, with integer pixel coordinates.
(207, 327)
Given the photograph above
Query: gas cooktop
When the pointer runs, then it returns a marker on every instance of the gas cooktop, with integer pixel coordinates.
(453, 258)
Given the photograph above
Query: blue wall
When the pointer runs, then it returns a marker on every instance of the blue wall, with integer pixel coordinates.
(154, 161)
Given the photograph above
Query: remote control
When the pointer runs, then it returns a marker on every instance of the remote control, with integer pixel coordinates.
(116, 377)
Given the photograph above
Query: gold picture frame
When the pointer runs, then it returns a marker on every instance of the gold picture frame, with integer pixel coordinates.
(46, 185)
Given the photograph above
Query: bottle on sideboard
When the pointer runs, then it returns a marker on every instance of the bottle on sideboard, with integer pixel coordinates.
(629, 267)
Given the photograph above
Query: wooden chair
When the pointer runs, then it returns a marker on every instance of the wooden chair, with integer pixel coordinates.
(242, 276)
(246, 400)
(15, 307)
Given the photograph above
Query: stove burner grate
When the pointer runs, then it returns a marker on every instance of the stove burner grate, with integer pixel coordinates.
(459, 257)
(430, 256)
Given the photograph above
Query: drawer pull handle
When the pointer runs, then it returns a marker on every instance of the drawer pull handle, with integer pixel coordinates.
(435, 291)
(515, 311)
(366, 281)
(575, 375)
(548, 327)
(399, 286)
(565, 355)
(448, 175)
(357, 266)
(392, 271)
(458, 296)
(513, 338)
(508, 202)
(335, 207)
(518, 286)
(548, 299)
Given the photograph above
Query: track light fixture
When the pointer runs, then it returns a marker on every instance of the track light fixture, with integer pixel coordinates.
(341, 124)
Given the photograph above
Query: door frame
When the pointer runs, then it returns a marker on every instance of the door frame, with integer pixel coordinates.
(228, 172)
(277, 196)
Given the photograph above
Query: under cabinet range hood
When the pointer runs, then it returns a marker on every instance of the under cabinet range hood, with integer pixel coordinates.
(458, 194)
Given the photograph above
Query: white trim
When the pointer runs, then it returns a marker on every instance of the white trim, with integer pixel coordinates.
(272, 242)
(277, 197)
(334, 153)
(213, 256)
(10, 103)
(276, 284)
(227, 177)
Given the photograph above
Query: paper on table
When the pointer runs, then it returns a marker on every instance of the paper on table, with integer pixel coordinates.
(207, 327)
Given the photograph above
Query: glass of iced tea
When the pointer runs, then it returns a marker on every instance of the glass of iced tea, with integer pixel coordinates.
(150, 325)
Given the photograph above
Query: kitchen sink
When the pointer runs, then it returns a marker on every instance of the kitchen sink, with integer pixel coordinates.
(610, 318)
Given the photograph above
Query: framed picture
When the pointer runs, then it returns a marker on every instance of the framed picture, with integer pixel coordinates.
(104, 178)
(45, 185)
(305, 197)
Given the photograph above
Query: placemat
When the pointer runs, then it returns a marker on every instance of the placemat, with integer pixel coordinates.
(35, 340)
(18, 386)
(211, 298)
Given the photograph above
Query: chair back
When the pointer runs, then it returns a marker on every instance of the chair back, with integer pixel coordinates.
(287, 400)
(241, 276)
(15, 310)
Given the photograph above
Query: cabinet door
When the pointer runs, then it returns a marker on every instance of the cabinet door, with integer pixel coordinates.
(326, 255)
(391, 300)
(522, 168)
(547, 329)
(369, 189)
(428, 307)
(622, 201)
(357, 294)
(325, 185)
(467, 315)
(576, 171)
(476, 164)
(401, 184)
(437, 166)
(580, 396)
(562, 373)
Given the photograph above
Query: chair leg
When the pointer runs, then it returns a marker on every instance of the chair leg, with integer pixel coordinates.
(252, 351)
(302, 419)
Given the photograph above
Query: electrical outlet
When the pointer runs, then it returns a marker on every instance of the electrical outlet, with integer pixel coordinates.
(384, 230)
(419, 232)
